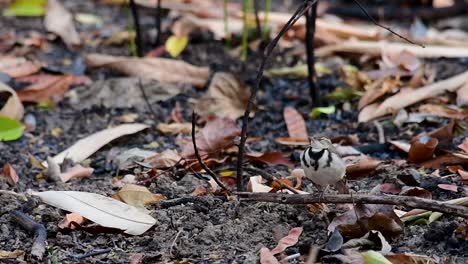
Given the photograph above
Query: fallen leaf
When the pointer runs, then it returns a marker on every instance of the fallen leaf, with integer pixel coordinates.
(175, 128)
(102, 210)
(256, 185)
(85, 147)
(404, 258)
(11, 254)
(318, 111)
(44, 91)
(166, 159)
(390, 188)
(464, 146)
(445, 133)
(89, 19)
(462, 96)
(406, 98)
(227, 96)
(138, 196)
(266, 257)
(26, 8)
(360, 166)
(76, 172)
(295, 123)
(18, 66)
(341, 94)
(416, 192)
(66, 222)
(272, 158)
(127, 179)
(374, 257)
(13, 108)
(219, 133)
(292, 141)
(127, 159)
(10, 174)
(448, 187)
(376, 90)
(176, 44)
(298, 71)
(10, 129)
(422, 149)
(444, 160)
(60, 21)
(463, 175)
(163, 70)
(290, 240)
(404, 59)
(401, 145)
(444, 111)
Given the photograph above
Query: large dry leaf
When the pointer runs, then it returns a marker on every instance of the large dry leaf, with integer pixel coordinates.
(163, 70)
(376, 90)
(13, 107)
(295, 123)
(76, 172)
(226, 96)
(266, 257)
(18, 66)
(46, 86)
(218, 134)
(462, 96)
(272, 158)
(403, 59)
(405, 98)
(137, 195)
(10, 174)
(165, 159)
(100, 209)
(59, 21)
(256, 185)
(290, 240)
(422, 149)
(85, 147)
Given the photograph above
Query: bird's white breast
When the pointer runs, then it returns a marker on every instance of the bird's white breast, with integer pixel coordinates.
(322, 166)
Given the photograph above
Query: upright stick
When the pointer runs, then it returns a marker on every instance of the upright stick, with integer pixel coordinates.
(311, 16)
(157, 22)
(136, 23)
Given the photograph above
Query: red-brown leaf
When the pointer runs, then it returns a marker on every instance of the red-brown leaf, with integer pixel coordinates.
(448, 187)
(295, 123)
(10, 174)
(272, 158)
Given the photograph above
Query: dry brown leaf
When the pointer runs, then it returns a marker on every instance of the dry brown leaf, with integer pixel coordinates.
(127, 179)
(405, 258)
(376, 90)
(403, 59)
(18, 66)
(13, 107)
(85, 147)
(227, 96)
(272, 158)
(76, 172)
(165, 159)
(60, 21)
(295, 123)
(11, 254)
(163, 70)
(444, 111)
(448, 187)
(10, 174)
(290, 240)
(445, 160)
(405, 98)
(137, 195)
(175, 128)
(422, 149)
(464, 146)
(266, 257)
(292, 141)
(218, 134)
(67, 221)
(360, 166)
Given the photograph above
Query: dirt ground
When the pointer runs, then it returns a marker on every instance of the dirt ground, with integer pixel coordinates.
(211, 230)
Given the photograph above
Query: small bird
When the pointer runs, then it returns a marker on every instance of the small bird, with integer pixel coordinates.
(323, 165)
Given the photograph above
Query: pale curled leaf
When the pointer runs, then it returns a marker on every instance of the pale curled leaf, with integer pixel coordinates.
(290, 240)
(18, 66)
(165, 159)
(60, 21)
(266, 257)
(67, 221)
(76, 172)
(102, 210)
(85, 147)
(227, 96)
(137, 195)
(163, 70)
(175, 128)
(13, 107)
(255, 185)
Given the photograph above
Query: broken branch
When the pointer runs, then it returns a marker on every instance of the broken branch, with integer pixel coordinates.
(39, 231)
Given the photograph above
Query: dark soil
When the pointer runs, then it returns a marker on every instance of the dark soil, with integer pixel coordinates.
(211, 231)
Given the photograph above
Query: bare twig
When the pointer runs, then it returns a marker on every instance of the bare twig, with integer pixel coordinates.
(380, 131)
(257, 20)
(202, 164)
(91, 254)
(157, 22)
(174, 241)
(314, 91)
(136, 24)
(412, 202)
(145, 98)
(268, 50)
(39, 231)
(191, 199)
(382, 26)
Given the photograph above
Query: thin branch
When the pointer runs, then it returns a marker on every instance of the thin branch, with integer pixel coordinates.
(382, 26)
(191, 199)
(408, 201)
(39, 231)
(136, 24)
(145, 98)
(268, 50)
(157, 23)
(257, 19)
(314, 91)
(90, 254)
(202, 164)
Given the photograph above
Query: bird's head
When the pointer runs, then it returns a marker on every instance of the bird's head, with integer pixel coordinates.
(320, 143)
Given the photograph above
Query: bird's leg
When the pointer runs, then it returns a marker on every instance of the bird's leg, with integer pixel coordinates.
(322, 192)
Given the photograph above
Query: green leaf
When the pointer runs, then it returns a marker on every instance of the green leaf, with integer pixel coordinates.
(373, 257)
(317, 111)
(434, 216)
(298, 71)
(175, 45)
(340, 94)
(10, 129)
(27, 8)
